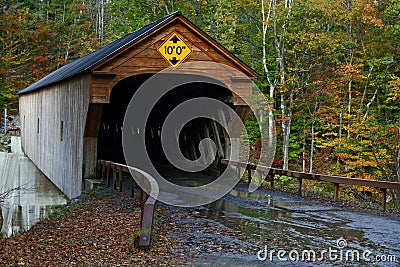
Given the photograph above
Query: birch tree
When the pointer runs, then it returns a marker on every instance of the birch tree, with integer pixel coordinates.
(276, 16)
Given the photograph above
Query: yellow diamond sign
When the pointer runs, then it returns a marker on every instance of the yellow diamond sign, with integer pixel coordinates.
(174, 50)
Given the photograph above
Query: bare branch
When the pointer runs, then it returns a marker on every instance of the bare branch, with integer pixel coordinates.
(9, 193)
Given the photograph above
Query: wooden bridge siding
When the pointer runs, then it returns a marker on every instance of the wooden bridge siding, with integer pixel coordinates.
(60, 161)
(78, 102)
(143, 58)
(90, 139)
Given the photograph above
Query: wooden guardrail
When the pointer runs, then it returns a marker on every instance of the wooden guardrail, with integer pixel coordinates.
(110, 171)
(336, 180)
(14, 131)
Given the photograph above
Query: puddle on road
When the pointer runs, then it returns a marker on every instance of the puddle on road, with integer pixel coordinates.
(268, 199)
(314, 226)
(272, 224)
(282, 221)
(237, 193)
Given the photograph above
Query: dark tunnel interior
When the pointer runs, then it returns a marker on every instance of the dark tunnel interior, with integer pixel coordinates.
(110, 132)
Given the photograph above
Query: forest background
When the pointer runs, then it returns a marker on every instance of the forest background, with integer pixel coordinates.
(331, 69)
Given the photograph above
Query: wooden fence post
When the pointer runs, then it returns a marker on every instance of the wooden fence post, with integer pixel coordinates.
(99, 169)
(114, 168)
(132, 187)
(300, 184)
(336, 197)
(107, 173)
(103, 169)
(120, 176)
(249, 176)
(384, 191)
(272, 181)
(260, 175)
(336, 180)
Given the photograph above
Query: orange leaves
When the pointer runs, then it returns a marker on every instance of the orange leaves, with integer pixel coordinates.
(93, 234)
(79, 6)
(349, 72)
(369, 13)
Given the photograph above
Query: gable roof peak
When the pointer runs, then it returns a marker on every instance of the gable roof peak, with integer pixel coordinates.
(86, 62)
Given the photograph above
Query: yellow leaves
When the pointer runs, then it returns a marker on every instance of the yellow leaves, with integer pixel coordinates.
(394, 94)
(365, 142)
(361, 163)
(352, 147)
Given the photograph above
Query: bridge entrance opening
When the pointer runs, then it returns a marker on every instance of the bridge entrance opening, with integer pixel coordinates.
(110, 130)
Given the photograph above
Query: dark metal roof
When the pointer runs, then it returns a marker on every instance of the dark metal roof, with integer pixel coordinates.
(87, 62)
(84, 64)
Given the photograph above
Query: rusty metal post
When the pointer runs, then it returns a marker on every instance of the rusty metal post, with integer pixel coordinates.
(146, 223)
(141, 197)
(147, 203)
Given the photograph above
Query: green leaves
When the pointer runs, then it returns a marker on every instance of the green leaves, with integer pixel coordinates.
(336, 74)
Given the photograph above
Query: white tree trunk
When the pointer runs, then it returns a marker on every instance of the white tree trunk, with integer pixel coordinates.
(369, 105)
(398, 155)
(349, 109)
(340, 130)
(312, 145)
(266, 17)
(279, 44)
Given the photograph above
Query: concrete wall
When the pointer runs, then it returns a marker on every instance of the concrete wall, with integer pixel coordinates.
(33, 201)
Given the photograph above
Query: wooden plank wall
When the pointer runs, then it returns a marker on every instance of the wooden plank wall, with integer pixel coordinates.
(143, 57)
(64, 107)
(93, 120)
(53, 124)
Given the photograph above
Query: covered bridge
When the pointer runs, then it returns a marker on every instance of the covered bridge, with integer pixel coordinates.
(73, 116)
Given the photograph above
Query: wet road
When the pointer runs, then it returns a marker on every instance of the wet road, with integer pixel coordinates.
(272, 228)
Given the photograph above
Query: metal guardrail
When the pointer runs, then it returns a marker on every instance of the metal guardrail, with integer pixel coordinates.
(336, 180)
(108, 171)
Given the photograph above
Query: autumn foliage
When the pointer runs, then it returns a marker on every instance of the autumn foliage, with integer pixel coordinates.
(330, 68)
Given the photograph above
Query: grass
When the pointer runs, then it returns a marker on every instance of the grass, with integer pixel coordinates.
(63, 210)
(159, 229)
